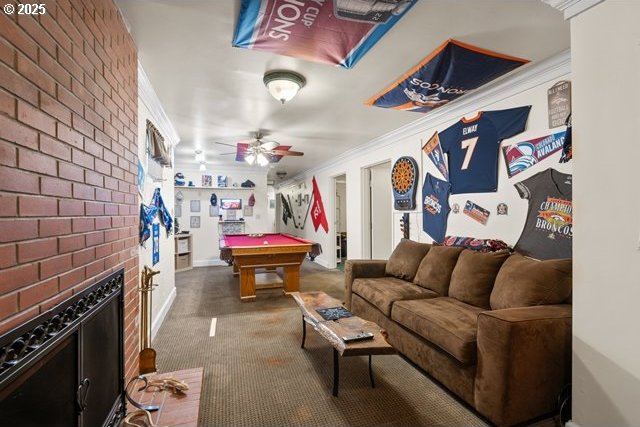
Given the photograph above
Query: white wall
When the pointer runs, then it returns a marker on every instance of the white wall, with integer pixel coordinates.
(206, 238)
(605, 46)
(164, 293)
(527, 87)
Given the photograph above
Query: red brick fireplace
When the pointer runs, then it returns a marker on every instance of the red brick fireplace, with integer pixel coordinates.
(68, 144)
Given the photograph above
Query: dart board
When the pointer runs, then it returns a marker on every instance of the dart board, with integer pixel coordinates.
(404, 177)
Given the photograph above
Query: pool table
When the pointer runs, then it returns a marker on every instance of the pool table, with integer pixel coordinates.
(270, 250)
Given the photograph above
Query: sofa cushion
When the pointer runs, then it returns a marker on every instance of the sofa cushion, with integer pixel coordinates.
(382, 292)
(446, 322)
(405, 259)
(474, 275)
(435, 269)
(524, 282)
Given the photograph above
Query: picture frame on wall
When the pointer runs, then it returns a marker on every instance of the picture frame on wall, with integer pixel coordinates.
(194, 222)
(222, 180)
(207, 180)
(194, 205)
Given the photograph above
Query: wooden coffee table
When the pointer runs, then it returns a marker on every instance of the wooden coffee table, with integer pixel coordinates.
(332, 330)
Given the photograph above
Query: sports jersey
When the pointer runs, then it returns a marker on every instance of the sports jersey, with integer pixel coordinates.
(472, 146)
(548, 230)
(435, 207)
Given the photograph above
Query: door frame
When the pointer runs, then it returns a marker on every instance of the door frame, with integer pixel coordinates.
(365, 174)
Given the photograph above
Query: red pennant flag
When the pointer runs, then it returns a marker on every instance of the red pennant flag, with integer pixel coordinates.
(317, 210)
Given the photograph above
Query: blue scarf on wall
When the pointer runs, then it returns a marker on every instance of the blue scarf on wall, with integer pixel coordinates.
(148, 213)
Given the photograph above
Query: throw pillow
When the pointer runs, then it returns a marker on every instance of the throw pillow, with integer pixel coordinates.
(473, 278)
(524, 282)
(405, 259)
(435, 269)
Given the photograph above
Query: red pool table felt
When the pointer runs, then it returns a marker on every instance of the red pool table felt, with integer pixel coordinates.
(272, 239)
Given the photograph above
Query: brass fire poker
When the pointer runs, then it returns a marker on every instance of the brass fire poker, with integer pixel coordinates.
(147, 355)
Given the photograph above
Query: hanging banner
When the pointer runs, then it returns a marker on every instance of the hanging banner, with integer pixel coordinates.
(317, 209)
(449, 72)
(156, 243)
(522, 155)
(337, 32)
(433, 149)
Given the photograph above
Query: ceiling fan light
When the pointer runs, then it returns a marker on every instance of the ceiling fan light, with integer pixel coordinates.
(262, 160)
(199, 156)
(250, 158)
(283, 85)
(202, 167)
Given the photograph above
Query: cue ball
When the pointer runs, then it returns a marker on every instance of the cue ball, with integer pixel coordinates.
(265, 243)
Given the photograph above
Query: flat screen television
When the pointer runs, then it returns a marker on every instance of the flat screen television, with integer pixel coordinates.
(230, 204)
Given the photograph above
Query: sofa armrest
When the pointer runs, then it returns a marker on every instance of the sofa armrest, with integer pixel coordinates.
(356, 268)
(524, 360)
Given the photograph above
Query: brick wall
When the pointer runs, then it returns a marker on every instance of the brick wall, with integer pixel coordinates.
(68, 146)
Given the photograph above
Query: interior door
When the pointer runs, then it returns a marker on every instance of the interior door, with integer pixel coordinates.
(380, 211)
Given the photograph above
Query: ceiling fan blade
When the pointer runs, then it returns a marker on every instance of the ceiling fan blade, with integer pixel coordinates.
(227, 154)
(269, 145)
(224, 143)
(286, 153)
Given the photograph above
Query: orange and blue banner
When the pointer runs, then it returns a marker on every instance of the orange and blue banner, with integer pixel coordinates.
(338, 32)
(452, 70)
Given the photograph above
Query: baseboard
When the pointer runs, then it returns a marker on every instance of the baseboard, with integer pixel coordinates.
(208, 262)
(157, 322)
(323, 262)
(571, 423)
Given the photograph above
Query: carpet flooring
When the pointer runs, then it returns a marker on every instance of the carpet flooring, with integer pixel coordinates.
(256, 374)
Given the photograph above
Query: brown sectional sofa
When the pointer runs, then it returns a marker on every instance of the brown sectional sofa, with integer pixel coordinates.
(494, 328)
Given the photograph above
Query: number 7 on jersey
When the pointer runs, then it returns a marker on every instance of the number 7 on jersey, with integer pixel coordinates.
(469, 145)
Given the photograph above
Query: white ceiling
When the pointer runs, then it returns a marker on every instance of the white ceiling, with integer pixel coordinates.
(214, 92)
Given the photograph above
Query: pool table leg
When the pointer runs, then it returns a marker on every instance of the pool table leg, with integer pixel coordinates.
(247, 284)
(291, 278)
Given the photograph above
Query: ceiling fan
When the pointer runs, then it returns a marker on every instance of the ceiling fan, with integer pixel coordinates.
(260, 151)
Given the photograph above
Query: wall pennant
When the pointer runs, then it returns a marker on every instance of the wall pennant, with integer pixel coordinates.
(433, 150)
(318, 216)
(522, 155)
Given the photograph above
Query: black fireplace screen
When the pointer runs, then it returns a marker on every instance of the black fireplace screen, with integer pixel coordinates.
(66, 366)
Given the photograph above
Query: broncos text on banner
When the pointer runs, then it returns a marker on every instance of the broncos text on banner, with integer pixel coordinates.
(449, 72)
(337, 32)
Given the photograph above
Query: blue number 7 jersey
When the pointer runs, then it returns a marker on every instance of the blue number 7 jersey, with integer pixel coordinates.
(473, 145)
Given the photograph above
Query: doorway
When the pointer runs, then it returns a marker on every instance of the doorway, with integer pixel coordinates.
(377, 213)
(340, 220)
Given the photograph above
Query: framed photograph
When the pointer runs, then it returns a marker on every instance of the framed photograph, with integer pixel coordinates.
(214, 211)
(207, 181)
(194, 205)
(222, 180)
(247, 211)
(195, 222)
(178, 211)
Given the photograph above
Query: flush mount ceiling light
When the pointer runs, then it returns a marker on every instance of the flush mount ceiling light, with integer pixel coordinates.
(283, 85)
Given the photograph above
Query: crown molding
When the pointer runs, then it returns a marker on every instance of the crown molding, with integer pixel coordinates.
(528, 77)
(150, 99)
(572, 8)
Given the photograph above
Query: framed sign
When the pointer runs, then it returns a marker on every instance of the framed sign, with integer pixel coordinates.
(559, 103)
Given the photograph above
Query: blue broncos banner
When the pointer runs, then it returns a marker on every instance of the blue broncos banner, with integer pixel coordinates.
(449, 72)
(336, 32)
